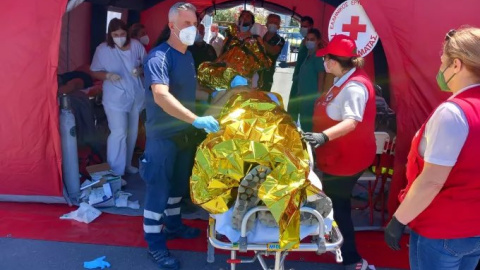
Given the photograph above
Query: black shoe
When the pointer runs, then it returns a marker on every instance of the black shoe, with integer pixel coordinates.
(184, 232)
(164, 260)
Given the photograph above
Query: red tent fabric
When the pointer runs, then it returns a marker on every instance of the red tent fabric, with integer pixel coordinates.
(30, 152)
(412, 33)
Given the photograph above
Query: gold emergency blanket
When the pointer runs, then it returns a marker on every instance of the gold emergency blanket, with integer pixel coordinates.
(240, 57)
(254, 131)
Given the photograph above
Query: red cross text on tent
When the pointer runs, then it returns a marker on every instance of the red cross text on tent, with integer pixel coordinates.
(354, 27)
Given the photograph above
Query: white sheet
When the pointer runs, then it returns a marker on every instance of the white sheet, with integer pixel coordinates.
(261, 233)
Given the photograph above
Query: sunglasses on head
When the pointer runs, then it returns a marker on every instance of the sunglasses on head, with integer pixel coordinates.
(450, 34)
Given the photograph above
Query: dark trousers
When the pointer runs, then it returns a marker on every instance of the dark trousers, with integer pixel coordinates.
(339, 189)
(166, 170)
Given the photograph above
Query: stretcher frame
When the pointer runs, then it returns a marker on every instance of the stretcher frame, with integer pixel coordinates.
(319, 243)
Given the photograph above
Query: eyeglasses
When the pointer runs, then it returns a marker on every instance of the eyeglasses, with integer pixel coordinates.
(450, 34)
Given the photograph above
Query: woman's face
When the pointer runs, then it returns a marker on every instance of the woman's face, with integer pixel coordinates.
(142, 32)
(247, 19)
(312, 37)
(119, 33)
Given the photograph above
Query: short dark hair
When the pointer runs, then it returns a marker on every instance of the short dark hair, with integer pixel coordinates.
(249, 12)
(273, 15)
(114, 25)
(135, 29)
(307, 19)
(316, 32)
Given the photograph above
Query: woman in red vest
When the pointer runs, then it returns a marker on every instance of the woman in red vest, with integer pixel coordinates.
(343, 125)
(441, 203)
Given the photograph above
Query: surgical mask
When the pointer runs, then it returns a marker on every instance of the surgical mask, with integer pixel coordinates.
(272, 28)
(442, 83)
(145, 40)
(310, 45)
(304, 31)
(198, 38)
(187, 35)
(244, 28)
(120, 41)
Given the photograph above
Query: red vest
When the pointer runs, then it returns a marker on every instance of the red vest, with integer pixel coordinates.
(455, 211)
(354, 152)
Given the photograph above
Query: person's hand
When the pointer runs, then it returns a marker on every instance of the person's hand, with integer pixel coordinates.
(393, 233)
(315, 139)
(97, 263)
(208, 123)
(113, 77)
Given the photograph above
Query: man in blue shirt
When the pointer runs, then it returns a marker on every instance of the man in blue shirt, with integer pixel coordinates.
(166, 165)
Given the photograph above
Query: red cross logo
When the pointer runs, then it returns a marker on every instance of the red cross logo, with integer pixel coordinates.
(354, 27)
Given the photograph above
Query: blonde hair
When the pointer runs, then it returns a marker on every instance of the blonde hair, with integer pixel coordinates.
(464, 44)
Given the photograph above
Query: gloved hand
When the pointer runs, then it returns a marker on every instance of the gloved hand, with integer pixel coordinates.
(113, 77)
(315, 139)
(208, 123)
(97, 263)
(393, 233)
(283, 64)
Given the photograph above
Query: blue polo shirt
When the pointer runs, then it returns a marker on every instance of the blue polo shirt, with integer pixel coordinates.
(165, 65)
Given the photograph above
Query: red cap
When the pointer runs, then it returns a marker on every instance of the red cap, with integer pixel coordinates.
(340, 45)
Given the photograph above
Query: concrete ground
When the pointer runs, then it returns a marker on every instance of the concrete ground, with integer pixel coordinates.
(20, 254)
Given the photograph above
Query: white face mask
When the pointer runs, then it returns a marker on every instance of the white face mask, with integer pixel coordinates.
(303, 31)
(145, 40)
(272, 28)
(120, 41)
(187, 35)
(310, 45)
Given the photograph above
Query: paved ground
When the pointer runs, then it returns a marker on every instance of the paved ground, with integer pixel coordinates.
(19, 254)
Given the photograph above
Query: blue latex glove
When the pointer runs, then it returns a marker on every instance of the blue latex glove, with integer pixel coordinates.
(238, 81)
(97, 263)
(208, 123)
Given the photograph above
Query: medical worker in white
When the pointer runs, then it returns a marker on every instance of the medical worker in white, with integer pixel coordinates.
(118, 63)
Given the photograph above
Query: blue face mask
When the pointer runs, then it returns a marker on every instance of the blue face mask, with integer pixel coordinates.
(310, 45)
(244, 28)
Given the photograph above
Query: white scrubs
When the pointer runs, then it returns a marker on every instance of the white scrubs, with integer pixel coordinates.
(122, 100)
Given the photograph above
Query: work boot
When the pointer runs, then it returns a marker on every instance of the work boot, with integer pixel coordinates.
(184, 232)
(164, 259)
(361, 265)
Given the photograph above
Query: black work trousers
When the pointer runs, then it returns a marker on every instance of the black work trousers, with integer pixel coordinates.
(339, 189)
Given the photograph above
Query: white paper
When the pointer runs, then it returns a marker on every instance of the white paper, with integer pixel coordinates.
(133, 205)
(85, 213)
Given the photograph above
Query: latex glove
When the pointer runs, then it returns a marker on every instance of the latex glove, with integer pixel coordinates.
(208, 123)
(393, 233)
(97, 263)
(315, 139)
(283, 64)
(113, 77)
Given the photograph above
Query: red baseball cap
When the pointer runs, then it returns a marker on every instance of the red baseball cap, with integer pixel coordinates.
(340, 45)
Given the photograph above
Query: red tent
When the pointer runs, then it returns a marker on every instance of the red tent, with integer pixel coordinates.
(30, 155)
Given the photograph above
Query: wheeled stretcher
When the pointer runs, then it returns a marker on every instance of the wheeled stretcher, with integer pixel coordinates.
(323, 234)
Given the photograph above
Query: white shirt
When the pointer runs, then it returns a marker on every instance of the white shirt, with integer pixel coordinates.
(350, 103)
(127, 93)
(217, 43)
(445, 133)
